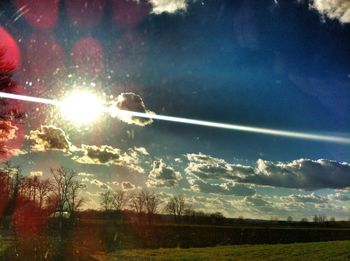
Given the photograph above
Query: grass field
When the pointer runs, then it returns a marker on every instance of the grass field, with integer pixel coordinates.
(336, 250)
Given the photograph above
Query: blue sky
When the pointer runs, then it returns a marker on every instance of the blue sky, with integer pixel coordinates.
(273, 64)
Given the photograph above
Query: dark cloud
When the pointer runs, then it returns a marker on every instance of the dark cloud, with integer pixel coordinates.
(49, 138)
(333, 9)
(227, 188)
(132, 102)
(99, 154)
(126, 185)
(302, 174)
(162, 175)
(108, 155)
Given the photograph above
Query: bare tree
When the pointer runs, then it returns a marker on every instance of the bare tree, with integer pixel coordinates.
(110, 200)
(37, 190)
(119, 200)
(176, 206)
(138, 202)
(152, 202)
(74, 203)
(66, 190)
(11, 181)
(106, 200)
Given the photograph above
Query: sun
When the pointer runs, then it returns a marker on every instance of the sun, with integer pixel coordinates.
(81, 107)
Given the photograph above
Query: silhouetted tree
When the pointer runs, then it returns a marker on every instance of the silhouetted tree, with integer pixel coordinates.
(175, 206)
(119, 200)
(138, 202)
(66, 190)
(106, 200)
(152, 202)
(11, 182)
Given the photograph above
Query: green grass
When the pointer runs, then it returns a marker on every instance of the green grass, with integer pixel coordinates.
(4, 244)
(336, 250)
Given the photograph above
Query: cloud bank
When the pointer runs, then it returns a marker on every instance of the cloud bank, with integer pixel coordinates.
(303, 174)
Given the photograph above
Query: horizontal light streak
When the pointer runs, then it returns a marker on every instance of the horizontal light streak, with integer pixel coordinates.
(275, 132)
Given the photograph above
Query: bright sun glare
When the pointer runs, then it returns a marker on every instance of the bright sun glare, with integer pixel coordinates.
(81, 107)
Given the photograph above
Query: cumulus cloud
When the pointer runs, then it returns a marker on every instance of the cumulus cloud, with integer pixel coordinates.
(141, 150)
(162, 175)
(306, 198)
(131, 102)
(99, 184)
(256, 201)
(98, 154)
(108, 155)
(227, 188)
(168, 6)
(303, 174)
(206, 167)
(339, 197)
(49, 138)
(126, 185)
(333, 9)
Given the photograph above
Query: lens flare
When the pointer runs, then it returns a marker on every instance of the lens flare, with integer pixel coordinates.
(86, 107)
(81, 107)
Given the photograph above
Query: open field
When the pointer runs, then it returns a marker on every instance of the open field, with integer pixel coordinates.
(336, 250)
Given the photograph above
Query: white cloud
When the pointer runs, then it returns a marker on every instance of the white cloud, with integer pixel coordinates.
(168, 6)
(333, 9)
(227, 188)
(36, 174)
(339, 197)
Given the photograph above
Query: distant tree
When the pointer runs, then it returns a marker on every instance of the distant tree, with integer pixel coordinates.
(304, 220)
(332, 219)
(289, 219)
(106, 200)
(113, 200)
(176, 206)
(320, 218)
(217, 215)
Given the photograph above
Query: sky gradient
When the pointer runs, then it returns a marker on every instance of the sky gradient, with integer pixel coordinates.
(270, 64)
